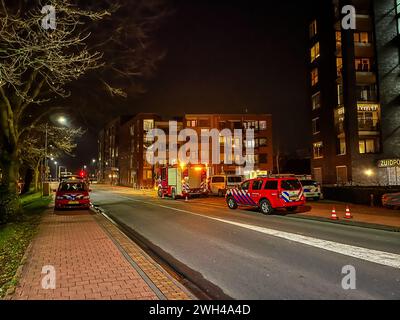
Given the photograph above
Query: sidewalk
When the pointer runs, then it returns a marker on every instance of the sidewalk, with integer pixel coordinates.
(92, 259)
(361, 213)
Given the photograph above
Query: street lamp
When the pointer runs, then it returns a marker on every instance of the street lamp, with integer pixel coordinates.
(369, 172)
(62, 120)
(56, 163)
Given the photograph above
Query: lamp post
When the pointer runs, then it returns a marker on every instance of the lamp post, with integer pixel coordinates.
(56, 163)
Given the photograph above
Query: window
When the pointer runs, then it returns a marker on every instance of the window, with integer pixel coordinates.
(148, 124)
(314, 52)
(292, 184)
(263, 142)
(313, 28)
(339, 66)
(314, 77)
(218, 180)
(340, 94)
(341, 174)
(363, 64)
(191, 123)
(338, 35)
(263, 125)
(318, 174)
(368, 146)
(368, 120)
(263, 158)
(362, 37)
(316, 101)
(271, 185)
(257, 184)
(245, 185)
(315, 126)
(341, 146)
(318, 150)
(367, 93)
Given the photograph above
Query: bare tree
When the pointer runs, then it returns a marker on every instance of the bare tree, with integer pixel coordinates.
(62, 140)
(35, 66)
(39, 67)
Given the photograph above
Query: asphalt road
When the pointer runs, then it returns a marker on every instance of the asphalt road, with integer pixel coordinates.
(248, 255)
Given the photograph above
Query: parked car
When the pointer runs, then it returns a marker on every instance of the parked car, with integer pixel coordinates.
(391, 200)
(267, 194)
(218, 184)
(311, 189)
(72, 194)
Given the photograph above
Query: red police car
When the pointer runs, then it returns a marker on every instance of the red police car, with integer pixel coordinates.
(267, 194)
(72, 194)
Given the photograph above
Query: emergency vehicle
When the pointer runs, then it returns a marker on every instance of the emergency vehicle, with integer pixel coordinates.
(267, 194)
(182, 181)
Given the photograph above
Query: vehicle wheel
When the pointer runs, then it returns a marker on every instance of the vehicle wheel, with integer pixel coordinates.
(231, 202)
(291, 209)
(316, 199)
(220, 193)
(160, 193)
(173, 194)
(265, 206)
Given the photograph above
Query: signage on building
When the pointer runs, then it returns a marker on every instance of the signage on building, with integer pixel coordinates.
(367, 107)
(387, 163)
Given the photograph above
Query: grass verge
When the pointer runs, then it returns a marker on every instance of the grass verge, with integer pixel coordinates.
(15, 238)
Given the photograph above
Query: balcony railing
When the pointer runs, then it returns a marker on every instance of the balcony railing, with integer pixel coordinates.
(368, 125)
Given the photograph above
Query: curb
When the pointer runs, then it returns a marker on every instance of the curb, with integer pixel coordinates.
(360, 224)
(160, 294)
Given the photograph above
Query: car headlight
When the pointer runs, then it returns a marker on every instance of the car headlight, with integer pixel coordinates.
(59, 197)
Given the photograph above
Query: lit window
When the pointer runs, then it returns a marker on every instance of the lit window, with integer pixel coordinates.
(263, 125)
(313, 28)
(339, 66)
(315, 52)
(338, 35)
(363, 64)
(315, 126)
(314, 77)
(340, 94)
(316, 101)
(368, 146)
(342, 146)
(148, 124)
(318, 150)
(361, 37)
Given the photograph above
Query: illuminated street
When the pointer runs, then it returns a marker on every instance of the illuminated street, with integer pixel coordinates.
(202, 237)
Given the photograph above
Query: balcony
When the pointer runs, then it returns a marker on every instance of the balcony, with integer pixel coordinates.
(368, 125)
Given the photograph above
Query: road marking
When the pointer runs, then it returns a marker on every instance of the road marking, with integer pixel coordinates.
(375, 256)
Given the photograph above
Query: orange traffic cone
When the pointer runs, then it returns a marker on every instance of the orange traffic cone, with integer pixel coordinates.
(334, 215)
(348, 214)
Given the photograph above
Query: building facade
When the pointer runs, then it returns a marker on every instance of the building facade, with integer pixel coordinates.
(122, 145)
(354, 93)
(262, 159)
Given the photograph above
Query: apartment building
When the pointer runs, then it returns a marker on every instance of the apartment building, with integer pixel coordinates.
(123, 145)
(354, 93)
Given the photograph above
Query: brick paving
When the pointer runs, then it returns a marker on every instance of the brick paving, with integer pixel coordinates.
(89, 264)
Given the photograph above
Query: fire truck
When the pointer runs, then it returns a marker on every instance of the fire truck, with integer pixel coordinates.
(182, 181)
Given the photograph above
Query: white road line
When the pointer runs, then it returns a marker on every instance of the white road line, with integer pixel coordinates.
(375, 256)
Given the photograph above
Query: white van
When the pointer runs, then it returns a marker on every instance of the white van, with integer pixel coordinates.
(218, 184)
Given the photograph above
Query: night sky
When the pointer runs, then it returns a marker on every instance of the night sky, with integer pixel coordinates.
(224, 56)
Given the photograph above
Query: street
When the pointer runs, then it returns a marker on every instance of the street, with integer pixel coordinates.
(243, 254)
